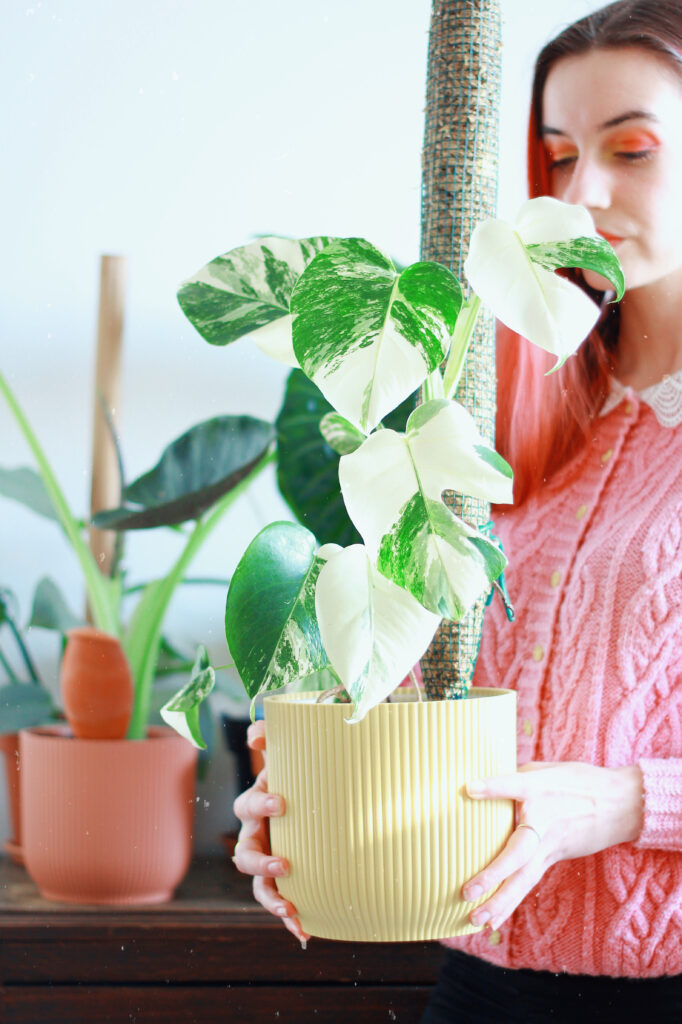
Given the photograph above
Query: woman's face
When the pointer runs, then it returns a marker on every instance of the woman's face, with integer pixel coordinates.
(612, 126)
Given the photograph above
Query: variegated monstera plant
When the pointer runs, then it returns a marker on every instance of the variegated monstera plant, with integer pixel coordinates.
(368, 336)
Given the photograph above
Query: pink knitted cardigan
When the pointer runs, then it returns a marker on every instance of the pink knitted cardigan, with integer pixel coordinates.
(595, 655)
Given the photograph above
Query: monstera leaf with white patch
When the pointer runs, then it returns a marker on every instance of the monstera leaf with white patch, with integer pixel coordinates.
(511, 269)
(247, 292)
(373, 631)
(181, 712)
(366, 335)
(415, 539)
(270, 621)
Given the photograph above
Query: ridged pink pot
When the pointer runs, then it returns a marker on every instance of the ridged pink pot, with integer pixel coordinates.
(107, 821)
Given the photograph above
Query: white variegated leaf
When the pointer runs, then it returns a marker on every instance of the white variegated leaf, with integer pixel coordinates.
(373, 631)
(366, 335)
(339, 434)
(418, 542)
(546, 219)
(181, 712)
(247, 291)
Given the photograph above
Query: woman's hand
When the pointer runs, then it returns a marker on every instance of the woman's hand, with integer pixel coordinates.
(252, 854)
(573, 810)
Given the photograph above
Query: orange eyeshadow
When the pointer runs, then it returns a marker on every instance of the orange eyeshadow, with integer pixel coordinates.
(632, 142)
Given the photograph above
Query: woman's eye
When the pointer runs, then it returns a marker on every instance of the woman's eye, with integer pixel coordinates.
(561, 161)
(641, 154)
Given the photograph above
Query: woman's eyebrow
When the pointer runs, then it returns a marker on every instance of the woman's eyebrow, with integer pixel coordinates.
(630, 115)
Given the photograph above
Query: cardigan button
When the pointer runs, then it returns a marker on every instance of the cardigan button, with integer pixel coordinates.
(581, 512)
(606, 456)
(555, 578)
(527, 727)
(538, 653)
(495, 938)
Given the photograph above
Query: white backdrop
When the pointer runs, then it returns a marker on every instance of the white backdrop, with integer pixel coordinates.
(171, 131)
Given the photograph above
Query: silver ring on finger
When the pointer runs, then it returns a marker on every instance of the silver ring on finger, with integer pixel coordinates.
(524, 824)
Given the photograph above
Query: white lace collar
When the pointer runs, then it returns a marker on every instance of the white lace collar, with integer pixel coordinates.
(664, 397)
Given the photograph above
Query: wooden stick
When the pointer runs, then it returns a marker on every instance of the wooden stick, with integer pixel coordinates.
(105, 490)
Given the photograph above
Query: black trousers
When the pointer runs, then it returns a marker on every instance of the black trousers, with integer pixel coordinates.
(471, 990)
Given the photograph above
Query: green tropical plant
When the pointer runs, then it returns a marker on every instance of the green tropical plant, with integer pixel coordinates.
(24, 699)
(367, 336)
(196, 480)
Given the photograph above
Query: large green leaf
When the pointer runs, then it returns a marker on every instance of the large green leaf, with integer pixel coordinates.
(194, 471)
(23, 706)
(50, 610)
(247, 291)
(507, 268)
(419, 543)
(373, 631)
(307, 467)
(366, 335)
(182, 710)
(26, 486)
(270, 621)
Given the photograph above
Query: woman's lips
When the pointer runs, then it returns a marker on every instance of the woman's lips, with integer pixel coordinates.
(611, 239)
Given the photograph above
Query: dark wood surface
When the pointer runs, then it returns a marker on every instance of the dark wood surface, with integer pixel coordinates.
(211, 954)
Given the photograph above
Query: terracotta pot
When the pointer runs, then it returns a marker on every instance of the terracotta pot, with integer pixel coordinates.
(9, 745)
(378, 831)
(107, 821)
(96, 685)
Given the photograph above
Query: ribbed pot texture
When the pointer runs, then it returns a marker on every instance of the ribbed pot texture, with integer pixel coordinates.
(378, 831)
(107, 821)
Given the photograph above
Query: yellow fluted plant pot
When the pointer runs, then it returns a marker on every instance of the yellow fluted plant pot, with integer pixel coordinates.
(378, 831)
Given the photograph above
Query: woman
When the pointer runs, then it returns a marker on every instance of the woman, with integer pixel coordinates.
(589, 890)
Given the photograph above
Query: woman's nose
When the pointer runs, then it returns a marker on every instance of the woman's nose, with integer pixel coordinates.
(588, 185)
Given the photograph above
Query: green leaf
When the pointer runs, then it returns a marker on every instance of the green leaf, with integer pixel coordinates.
(23, 706)
(247, 289)
(182, 710)
(586, 253)
(50, 610)
(193, 472)
(26, 486)
(307, 467)
(270, 621)
(340, 435)
(444, 563)
(366, 335)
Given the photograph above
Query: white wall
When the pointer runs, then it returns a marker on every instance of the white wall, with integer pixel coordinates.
(171, 131)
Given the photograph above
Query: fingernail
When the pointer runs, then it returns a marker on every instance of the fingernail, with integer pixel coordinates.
(480, 917)
(275, 867)
(475, 786)
(472, 892)
(304, 943)
(281, 912)
(274, 805)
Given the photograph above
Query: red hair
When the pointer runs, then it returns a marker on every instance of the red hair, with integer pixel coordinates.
(543, 421)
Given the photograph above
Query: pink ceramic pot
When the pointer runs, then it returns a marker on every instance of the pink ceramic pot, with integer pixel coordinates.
(96, 685)
(107, 821)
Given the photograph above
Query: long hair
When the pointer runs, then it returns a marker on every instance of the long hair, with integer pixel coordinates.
(543, 421)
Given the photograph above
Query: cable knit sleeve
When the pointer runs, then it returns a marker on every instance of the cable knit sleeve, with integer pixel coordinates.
(662, 829)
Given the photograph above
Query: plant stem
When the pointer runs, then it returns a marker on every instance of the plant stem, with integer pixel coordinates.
(433, 386)
(144, 639)
(104, 611)
(8, 669)
(464, 329)
(28, 661)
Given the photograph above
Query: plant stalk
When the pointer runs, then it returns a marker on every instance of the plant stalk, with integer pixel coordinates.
(104, 612)
(143, 651)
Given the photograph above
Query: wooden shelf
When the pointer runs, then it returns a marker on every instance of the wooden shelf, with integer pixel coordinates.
(211, 954)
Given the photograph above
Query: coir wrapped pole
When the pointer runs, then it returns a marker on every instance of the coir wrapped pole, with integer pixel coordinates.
(459, 189)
